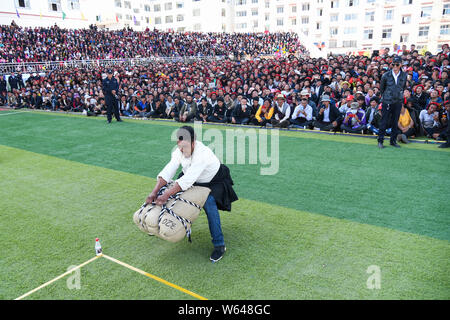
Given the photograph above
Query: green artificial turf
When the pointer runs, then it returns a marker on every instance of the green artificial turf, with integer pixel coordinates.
(310, 232)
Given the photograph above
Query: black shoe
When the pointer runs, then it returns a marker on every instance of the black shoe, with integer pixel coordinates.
(380, 145)
(395, 145)
(445, 145)
(120, 120)
(218, 253)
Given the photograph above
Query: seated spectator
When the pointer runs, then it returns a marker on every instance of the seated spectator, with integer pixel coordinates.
(175, 113)
(189, 110)
(35, 101)
(170, 105)
(302, 116)
(204, 110)
(374, 125)
(405, 126)
(329, 116)
(141, 109)
(355, 119)
(282, 112)
(158, 109)
(345, 107)
(429, 119)
(264, 113)
(445, 133)
(241, 113)
(218, 113)
(124, 107)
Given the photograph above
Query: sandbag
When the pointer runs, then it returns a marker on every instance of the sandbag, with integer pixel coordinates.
(173, 221)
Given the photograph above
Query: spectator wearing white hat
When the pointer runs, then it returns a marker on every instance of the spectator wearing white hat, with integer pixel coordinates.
(329, 116)
(282, 112)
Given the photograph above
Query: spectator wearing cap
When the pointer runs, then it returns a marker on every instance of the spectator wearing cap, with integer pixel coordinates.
(305, 94)
(282, 112)
(329, 117)
(264, 113)
(355, 119)
(392, 86)
(302, 117)
(218, 113)
(445, 132)
(241, 113)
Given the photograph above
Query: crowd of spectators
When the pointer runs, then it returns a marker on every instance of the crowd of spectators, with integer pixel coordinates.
(339, 93)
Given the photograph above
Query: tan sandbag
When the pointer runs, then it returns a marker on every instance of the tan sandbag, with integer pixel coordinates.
(170, 228)
(151, 220)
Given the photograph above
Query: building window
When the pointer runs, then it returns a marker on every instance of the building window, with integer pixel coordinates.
(423, 31)
(349, 43)
(157, 7)
(351, 16)
(280, 9)
(334, 17)
(368, 34)
(294, 9)
(318, 25)
(119, 16)
(407, 2)
(305, 7)
(280, 22)
(352, 3)
(255, 23)
(118, 3)
(404, 38)
(241, 13)
(426, 12)
(196, 12)
(180, 5)
(23, 4)
(168, 6)
(266, 17)
(54, 5)
(334, 4)
(241, 2)
(254, 1)
(319, 12)
(349, 30)
(241, 25)
(223, 12)
(169, 19)
(444, 29)
(333, 31)
(446, 10)
(136, 10)
(294, 22)
(267, 4)
(254, 11)
(73, 4)
(180, 18)
(147, 8)
(332, 44)
(197, 27)
(387, 33)
(370, 16)
(305, 20)
(389, 14)
(157, 20)
(127, 4)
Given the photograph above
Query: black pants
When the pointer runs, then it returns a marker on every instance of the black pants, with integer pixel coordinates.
(111, 106)
(389, 111)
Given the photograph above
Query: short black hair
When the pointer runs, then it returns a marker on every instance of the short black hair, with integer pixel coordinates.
(186, 133)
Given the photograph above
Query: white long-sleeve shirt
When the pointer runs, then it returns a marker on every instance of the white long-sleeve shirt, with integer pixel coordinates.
(200, 167)
(308, 109)
(427, 120)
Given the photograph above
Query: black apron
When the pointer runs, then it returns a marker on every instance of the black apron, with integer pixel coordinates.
(221, 188)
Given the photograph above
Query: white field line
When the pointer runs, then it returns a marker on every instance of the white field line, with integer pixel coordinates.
(7, 114)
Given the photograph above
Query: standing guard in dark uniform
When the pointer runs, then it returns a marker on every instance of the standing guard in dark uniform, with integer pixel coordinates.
(110, 88)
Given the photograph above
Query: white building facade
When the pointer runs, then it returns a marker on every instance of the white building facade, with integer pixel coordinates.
(339, 26)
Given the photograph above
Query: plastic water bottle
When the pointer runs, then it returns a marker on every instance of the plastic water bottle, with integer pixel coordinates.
(98, 247)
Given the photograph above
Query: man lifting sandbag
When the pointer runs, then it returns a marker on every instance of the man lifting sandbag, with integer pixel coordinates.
(201, 168)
